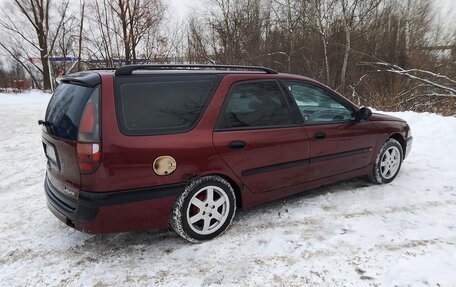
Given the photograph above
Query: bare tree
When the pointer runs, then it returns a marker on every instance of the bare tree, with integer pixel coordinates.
(103, 34)
(235, 31)
(136, 17)
(82, 5)
(384, 53)
(353, 13)
(323, 16)
(290, 17)
(37, 30)
(197, 50)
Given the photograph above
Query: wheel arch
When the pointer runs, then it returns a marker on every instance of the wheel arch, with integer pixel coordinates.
(401, 140)
(234, 184)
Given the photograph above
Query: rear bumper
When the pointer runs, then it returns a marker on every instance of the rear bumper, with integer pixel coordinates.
(409, 142)
(119, 211)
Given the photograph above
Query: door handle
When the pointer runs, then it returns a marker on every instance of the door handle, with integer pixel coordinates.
(237, 145)
(319, 135)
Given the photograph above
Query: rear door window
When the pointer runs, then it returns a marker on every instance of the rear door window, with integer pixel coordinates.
(255, 105)
(148, 105)
(65, 110)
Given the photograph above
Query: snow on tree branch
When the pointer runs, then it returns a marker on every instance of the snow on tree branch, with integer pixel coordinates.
(435, 80)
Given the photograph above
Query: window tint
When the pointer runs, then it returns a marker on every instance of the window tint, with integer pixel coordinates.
(255, 105)
(316, 105)
(157, 105)
(65, 110)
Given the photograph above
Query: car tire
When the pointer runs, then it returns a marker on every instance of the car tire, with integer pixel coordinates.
(204, 210)
(388, 162)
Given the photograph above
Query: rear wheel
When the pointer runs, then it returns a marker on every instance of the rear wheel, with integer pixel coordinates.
(388, 162)
(204, 210)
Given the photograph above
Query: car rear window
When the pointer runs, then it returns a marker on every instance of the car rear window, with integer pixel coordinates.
(149, 105)
(65, 110)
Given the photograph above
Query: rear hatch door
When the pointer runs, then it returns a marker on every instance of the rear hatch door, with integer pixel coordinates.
(60, 133)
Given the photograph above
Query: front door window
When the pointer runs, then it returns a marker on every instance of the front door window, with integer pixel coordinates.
(317, 106)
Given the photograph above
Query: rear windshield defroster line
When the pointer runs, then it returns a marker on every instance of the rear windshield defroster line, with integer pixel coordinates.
(150, 105)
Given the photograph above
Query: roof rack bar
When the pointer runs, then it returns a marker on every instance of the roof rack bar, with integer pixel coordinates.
(102, 69)
(128, 70)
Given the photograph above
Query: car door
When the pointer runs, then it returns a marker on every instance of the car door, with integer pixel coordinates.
(338, 142)
(259, 139)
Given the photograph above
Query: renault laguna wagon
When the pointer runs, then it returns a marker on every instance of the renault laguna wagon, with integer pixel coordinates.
(150, 146)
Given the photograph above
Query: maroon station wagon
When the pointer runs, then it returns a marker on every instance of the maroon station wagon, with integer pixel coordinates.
(148, 146)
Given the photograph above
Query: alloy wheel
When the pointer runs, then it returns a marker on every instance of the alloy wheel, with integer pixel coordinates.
(208, 210)
(390, 162)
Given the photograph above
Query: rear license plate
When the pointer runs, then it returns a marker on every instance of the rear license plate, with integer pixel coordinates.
(51, 154)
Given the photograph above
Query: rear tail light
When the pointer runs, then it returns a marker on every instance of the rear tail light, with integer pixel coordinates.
(89, 156)
(87, 124)
(88, 146)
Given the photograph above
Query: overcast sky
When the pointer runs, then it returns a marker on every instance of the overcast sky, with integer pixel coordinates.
(183, 7)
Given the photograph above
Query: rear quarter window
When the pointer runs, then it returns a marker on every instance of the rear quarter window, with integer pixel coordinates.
(65, 110)
(148, 105)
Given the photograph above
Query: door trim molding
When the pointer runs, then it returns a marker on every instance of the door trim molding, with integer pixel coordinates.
(339, 155)
(304, 162)
(273, 167)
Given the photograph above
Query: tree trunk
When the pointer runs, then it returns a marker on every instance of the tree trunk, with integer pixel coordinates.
(81, 28)
(322, 33)
(126, 37)
(398, 40)
(133, 56)
(407, 28)
(346, 55)
(46, 70)
(325, 51)
(44, 54)
(290, 35)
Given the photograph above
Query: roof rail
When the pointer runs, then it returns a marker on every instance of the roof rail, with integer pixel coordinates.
(128, 70)
(102, 69)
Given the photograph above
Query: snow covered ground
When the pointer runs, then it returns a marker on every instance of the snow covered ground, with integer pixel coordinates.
(351, 233)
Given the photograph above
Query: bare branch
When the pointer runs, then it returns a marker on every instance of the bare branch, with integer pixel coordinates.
(391, 68)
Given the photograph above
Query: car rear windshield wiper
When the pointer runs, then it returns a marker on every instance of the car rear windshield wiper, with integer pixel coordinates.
(47, 124)
(44, 123)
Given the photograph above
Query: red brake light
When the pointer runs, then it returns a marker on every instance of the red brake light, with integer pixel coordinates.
(89, 156)
(87, 124)
(88, 147)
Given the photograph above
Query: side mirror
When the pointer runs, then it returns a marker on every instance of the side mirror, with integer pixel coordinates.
(364, 114)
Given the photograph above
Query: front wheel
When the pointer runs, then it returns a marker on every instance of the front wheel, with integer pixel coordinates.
(388, 162)
(204, 210)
